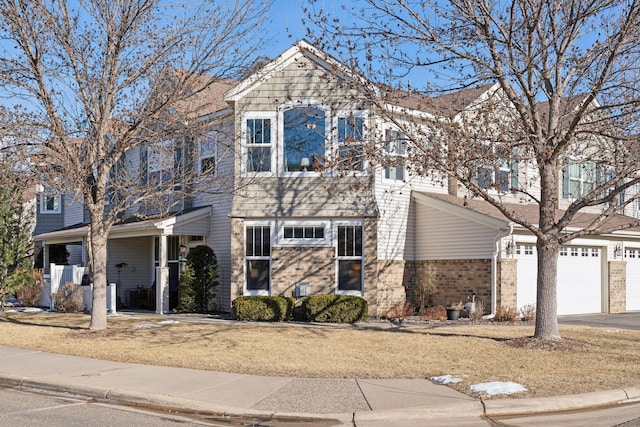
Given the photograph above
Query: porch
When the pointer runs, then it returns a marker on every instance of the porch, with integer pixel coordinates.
(144, 258)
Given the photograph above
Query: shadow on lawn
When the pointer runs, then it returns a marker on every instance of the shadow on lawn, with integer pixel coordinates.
(49, 321)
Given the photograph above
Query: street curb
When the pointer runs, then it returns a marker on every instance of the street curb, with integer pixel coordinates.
(161, 402)
(452, 411)
(514, 407)
(488, 408)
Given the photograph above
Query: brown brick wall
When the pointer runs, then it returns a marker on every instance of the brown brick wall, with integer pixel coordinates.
(507, 283)
(617, 282)
(314, 265)
(454, 280)
(394, 278)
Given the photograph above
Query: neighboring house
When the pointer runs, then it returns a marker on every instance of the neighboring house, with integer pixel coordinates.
(355, 229)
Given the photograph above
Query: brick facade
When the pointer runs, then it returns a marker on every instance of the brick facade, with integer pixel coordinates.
(395, 278)
(617, 282)
(311, 264)
(506, 283)
(455, 280)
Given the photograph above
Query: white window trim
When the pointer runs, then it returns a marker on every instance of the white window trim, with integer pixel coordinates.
(244, 147)
(336, 224)
(208, 137)
(328, 134)
(335, 144)
(257, 292)
(327, 241)
(44, 196)
(581, 180)
(394, 156)
(167, 144)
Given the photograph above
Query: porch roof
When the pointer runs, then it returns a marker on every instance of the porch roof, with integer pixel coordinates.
(192, 222)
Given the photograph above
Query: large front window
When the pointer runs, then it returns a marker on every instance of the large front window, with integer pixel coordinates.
(258, 259)
(303, 138)
(350, 259)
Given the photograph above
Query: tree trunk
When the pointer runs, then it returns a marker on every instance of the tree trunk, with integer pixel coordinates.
(99, 263)
(547, 300)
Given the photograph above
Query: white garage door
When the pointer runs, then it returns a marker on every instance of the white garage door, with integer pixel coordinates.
(579, 278)
(632, 257)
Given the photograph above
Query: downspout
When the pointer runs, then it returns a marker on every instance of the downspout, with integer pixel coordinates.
(494, 269)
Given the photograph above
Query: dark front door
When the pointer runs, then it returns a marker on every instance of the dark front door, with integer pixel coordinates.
(174, 268)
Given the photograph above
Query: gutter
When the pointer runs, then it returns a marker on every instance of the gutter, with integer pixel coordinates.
(503, 232)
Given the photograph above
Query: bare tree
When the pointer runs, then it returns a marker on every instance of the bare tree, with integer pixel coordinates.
(103, 79)
(566, 95)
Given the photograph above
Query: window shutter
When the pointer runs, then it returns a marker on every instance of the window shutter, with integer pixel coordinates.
(565, 182)
(144, 164)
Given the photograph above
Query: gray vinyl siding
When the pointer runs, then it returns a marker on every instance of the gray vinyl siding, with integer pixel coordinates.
(74, 210)
(137, 253)
(48, 221)
(442, 235)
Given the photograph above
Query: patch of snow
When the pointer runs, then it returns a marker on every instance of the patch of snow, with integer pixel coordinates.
(25, 310)
(144, 326)
(615, 331)
(496, 387)
(169, 322)
(445, 379)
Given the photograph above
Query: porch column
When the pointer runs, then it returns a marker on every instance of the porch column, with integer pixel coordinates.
(162, 278)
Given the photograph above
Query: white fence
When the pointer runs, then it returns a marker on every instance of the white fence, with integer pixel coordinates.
(61, 274)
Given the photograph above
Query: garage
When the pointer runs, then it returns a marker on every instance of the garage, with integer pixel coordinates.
(579, 278)
(632, 257)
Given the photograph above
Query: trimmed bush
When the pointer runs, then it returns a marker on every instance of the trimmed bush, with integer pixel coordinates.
(68, 298)
(263, 308)
(335, 309)
(199, 281)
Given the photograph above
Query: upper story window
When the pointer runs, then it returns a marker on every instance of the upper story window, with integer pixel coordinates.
(258, 139)
(303, 138)
(501, 176)
(164, 162)
(396, 153)
(208, 154)
(578, 179)
(350, 139)
(50, 201)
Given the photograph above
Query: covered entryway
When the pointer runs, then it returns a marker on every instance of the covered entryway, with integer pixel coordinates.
(143, 256)
(632, 257)
(579, 278)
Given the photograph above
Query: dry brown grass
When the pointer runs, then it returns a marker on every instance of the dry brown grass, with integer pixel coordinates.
(595, 359)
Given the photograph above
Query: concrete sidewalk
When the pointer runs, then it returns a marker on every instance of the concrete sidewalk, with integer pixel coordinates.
(341, 401)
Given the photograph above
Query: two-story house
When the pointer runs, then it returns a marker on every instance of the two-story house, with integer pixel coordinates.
(309, 214)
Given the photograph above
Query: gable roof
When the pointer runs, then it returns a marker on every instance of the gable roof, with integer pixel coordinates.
(301, 48)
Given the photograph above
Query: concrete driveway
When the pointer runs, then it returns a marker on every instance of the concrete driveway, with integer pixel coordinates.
(629, 320)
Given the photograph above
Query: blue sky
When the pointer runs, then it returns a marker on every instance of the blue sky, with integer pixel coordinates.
(286, 26)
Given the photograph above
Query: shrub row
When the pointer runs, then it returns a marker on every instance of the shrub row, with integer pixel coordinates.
(319, 308)
(263, 308)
